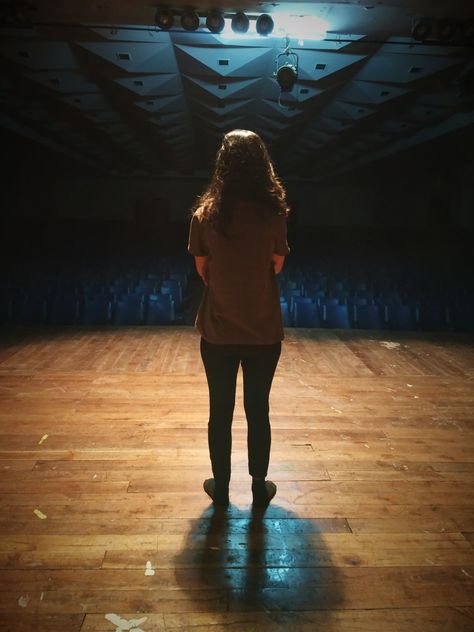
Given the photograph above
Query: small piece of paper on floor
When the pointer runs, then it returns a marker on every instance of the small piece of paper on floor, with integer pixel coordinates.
(40, 514)
(24, 601)
(149, 569)
(123, 625)
(389, 345)
(43, 439)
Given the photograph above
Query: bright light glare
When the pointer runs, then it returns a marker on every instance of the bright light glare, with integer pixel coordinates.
(228, 33)
(300, 26)
(296, 26)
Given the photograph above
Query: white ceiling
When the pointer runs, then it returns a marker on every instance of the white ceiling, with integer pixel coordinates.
(99, 82)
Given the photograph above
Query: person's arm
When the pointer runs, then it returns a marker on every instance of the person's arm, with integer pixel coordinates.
(278, 261)
(201, 267)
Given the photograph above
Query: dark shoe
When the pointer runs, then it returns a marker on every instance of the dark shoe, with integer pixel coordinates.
(219, 495)
(263, 492)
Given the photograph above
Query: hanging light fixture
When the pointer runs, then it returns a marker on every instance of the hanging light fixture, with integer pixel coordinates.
(190, 20)
(264, 24)
(164, 18)
(286, 77)
(215, 21)
(286, 72)
(240, 22)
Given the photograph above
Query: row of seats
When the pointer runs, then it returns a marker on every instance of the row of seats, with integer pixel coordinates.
(97, 296)
(376, 299)
(427, 316)
(156, 292)
(100, 309)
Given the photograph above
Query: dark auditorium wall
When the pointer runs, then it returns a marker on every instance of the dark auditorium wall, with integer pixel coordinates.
(424, 187)
(401, 200)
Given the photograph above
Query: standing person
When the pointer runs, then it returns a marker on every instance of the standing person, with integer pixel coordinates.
(238, 238)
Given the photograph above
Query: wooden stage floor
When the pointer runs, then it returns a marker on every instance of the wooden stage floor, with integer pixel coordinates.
(104, 524)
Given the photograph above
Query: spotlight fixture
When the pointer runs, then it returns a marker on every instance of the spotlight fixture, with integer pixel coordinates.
(164, 18)
(286, 68)
(215, 21)
(421, 29)
(264, 24)
(190, 20)
(286, 77)
(240, 22)
(447, 30)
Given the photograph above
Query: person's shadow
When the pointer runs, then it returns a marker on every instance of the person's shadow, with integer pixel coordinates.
(260, 561)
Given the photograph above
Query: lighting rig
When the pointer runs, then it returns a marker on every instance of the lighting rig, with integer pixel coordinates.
(190, 20)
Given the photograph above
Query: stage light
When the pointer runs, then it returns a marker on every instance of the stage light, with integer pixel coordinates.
(190, 20)
(286, 77)
(164, 18)
(421, 29)
(447, 30)
(286, 72)
(240, 23)
(215, 22)
(264, 24)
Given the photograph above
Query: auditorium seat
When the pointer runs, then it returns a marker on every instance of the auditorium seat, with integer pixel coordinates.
(173, 287)
(329, 300)
(306, 314)
(96, 310)
(434, 315)
(336, 316)
(294, 301)
(288, 295)
(159, 309)
(368, 317)
(145, 286)
(121, 286)
(128, 310)
(285, 313)
(352, 303)
(401, 317)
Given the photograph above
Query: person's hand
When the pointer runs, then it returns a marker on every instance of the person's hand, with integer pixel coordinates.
(202, 267)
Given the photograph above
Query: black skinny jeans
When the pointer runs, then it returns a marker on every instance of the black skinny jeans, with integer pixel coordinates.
(221, 363)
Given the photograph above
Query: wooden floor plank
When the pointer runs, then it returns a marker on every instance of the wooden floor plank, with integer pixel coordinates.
(103, 449)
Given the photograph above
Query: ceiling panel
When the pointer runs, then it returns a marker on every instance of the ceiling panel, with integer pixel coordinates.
(102, 83)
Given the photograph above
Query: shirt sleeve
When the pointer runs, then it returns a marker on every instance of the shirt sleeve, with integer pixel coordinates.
(196, 243)
(281, 244)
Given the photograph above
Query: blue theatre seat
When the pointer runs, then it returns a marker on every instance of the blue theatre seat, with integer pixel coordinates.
(401, 317)
(285, 312)
(306, 314)
(368, 317)
(128, 310)
(336, 316)
(97, 310)
(159, 309)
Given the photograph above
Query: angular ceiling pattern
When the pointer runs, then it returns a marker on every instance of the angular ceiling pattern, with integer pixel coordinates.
(134, 100)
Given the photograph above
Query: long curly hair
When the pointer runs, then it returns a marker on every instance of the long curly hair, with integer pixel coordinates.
(243, 171)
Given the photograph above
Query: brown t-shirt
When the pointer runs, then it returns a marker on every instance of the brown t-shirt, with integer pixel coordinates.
(241, 303)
